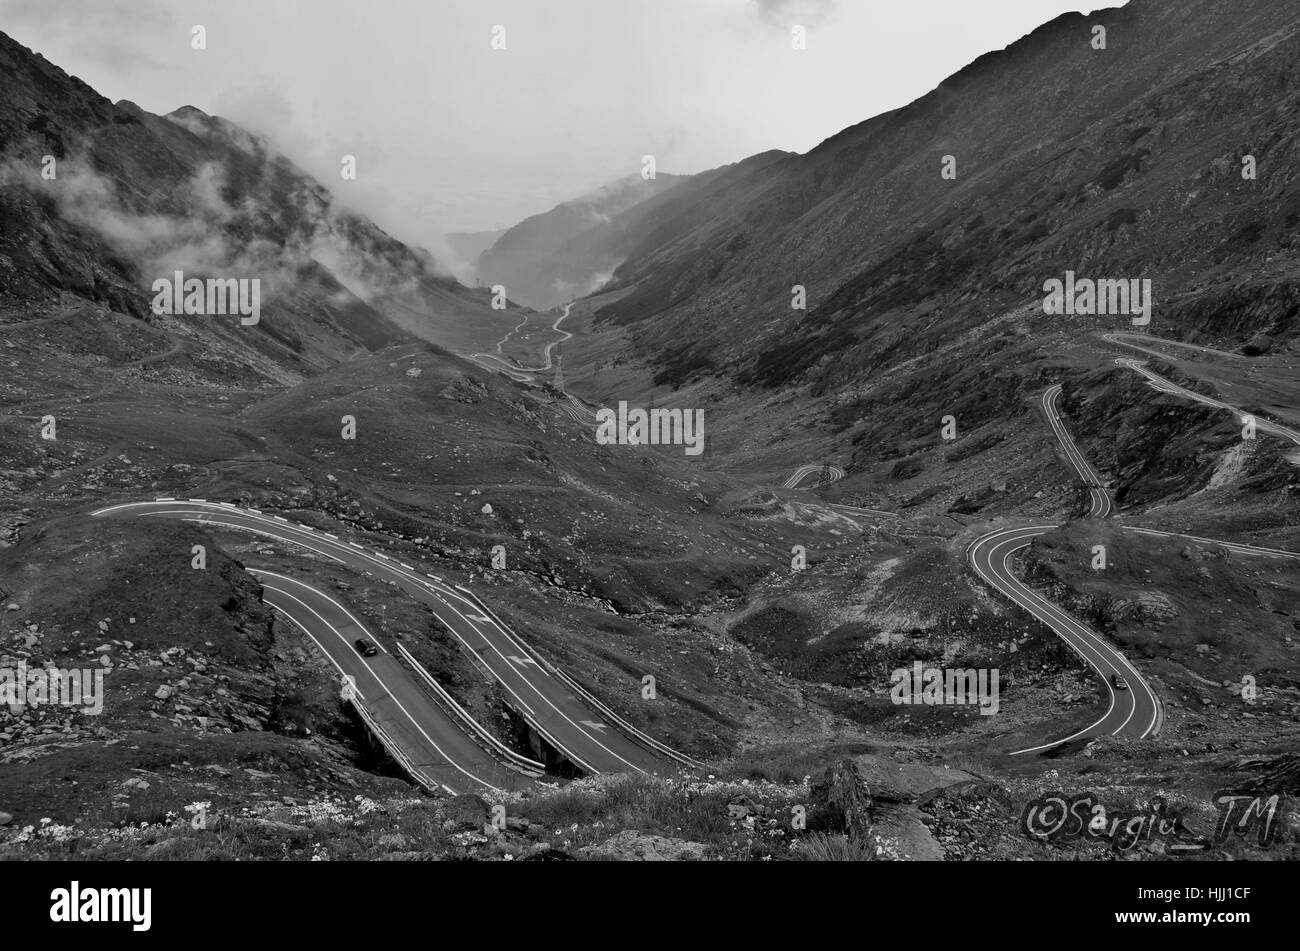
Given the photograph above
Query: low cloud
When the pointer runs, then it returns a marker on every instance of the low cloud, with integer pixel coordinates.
(152, 241)
(261, 108)
(789, 12)
(216, 238)
(105, 34)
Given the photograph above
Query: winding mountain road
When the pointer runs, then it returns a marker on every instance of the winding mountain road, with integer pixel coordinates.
(442, 755)
(825, 476)
(1234, 547)
(572, 407)
(573, 722)
(1133, 712)
(498, 363)
(1156, 381)
(1100, 502)
(1123, 339)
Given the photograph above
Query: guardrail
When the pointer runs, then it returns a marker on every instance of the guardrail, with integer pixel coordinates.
(626, 727)
(523, 764)
(393, 750)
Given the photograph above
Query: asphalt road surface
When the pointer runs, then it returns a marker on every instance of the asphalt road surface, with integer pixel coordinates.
(825, 475)
(1132, 712)
(441, 754)
(1100, 502)
(571, 720)
(1235, 547)
(498, 363)
(1166, 386)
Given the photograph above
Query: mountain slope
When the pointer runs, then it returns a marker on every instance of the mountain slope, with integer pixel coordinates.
(132, 197)
(468, 245)
(548, 259)
(1120, 162)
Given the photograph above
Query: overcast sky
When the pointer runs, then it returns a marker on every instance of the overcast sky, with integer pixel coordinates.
(451, 135)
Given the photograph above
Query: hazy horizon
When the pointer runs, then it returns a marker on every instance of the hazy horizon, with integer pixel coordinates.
(451, 135)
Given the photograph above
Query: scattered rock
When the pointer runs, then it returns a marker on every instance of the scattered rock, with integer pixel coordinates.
(632, 846)
(286, 828)
(408, 857)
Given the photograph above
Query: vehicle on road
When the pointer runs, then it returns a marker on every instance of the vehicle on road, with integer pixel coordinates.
(366, 648)
(1118, 682)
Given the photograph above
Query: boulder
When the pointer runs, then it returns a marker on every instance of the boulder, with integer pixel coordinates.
(900, 832)
(466, 812)
(841, 801)
(887, 780)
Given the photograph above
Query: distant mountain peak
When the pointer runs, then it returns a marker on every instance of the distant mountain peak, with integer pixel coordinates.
(138, 196)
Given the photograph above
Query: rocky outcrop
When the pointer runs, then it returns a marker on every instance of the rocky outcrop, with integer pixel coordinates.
(840, 801)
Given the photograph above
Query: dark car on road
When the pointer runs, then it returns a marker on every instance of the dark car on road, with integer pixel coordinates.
(366, 648)
(1118, 682)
